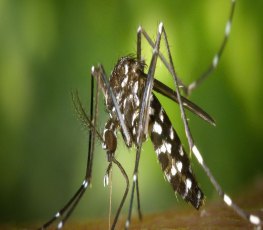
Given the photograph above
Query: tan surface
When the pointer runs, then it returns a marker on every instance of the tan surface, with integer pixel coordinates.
(214, 215)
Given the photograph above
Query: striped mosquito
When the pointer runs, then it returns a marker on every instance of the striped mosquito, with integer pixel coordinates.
(137, 114)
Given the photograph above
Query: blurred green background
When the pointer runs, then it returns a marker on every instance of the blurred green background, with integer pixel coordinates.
(47, 49)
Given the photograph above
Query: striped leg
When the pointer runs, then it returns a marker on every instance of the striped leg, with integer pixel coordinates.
(188, 89)
(143, 116)
(253, 219)
(110, 136)
(91, 122)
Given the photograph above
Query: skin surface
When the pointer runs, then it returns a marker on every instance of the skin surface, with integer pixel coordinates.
(214, 215)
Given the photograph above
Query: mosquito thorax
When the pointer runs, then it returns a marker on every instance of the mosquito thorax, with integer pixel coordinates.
(128, 84)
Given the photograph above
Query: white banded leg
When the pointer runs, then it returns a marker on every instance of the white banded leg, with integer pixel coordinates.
(188, 89)
(253, 219)
(144, 110)
(91, 122)
(213, 65)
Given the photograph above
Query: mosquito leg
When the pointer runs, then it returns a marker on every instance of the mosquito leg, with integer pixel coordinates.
(125, 193)
(188, 89)
(100, 74)
(176, 83)
(110, 146)
(217, 56)
(161, 56)
(139, 44)
(138, 199)
(139, 57)
(143, 116)
(66, 211)
(253, 219)
(249, 217)
(61, 214)
(169, 65)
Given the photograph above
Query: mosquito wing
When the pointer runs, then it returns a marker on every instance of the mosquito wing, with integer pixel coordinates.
(168, 92)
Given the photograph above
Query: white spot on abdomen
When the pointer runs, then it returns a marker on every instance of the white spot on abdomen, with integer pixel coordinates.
(168, 147)
(188, 183)
(151, 110)
(157, 128)
(179, 166)
(173, 170)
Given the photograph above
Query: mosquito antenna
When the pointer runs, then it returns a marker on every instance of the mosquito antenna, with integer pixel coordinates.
(84, 118)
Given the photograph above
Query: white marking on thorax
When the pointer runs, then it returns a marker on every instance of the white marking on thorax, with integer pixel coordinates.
(126, 69)
(124, 81)
(135, 87)
(188, 183)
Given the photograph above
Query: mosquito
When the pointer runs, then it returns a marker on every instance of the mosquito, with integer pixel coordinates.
(137, 114)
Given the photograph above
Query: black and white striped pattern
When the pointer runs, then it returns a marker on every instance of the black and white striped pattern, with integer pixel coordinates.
(128, 87)
(137, 113)
(171, 155)
(128, 84)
